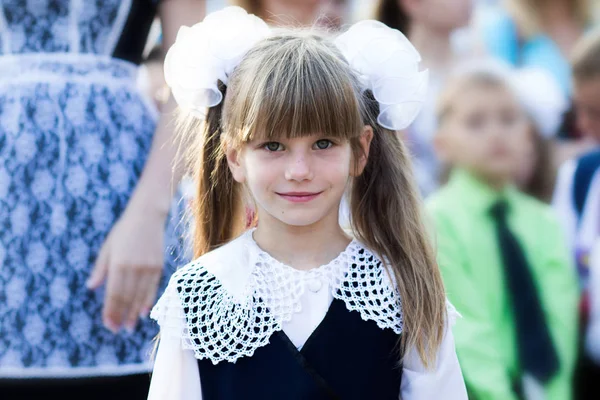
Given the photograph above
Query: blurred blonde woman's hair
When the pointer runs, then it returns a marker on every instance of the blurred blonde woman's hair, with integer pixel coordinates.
(527, 18)
(585, 59)
(295, 84)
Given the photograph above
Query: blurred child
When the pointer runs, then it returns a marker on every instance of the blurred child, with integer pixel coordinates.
(577, 194)
(500, 251)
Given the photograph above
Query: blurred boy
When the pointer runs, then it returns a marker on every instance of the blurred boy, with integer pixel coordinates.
(501, 253)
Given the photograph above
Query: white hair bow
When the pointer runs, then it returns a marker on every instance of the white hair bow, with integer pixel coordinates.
(386, 62)
(207, 53)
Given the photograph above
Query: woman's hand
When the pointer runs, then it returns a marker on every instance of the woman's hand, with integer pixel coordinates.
(132, 256)
(131, 261)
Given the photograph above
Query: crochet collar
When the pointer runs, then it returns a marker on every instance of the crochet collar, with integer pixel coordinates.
(224, 326)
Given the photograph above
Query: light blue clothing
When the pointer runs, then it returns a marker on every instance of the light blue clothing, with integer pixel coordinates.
(502, 40)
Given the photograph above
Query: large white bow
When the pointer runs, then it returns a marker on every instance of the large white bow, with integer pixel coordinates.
(208, 52)
(386, 62)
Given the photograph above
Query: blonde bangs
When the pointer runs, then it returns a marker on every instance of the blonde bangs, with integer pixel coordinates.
(293, 86)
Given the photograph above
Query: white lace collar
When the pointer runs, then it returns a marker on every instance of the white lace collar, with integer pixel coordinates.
(221, 324)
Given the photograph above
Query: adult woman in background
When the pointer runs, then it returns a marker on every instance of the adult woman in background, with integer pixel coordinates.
(328, 13)
(538, 33)
(86, 188)
(541, 34)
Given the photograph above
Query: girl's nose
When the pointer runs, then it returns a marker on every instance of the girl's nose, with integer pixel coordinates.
(299, 168)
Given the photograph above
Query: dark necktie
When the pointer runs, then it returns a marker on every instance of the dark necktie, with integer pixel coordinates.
(536, 352)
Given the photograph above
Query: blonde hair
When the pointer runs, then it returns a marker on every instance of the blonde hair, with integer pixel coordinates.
(527, 17)
(585, 60)
(460, 82)
(296, 84)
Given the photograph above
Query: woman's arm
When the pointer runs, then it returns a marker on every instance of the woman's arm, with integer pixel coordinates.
(132, 257)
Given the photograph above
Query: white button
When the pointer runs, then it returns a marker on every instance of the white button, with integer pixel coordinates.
(315, 285)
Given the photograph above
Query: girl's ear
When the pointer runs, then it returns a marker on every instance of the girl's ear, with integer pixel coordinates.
(365, 140)
(234, 160)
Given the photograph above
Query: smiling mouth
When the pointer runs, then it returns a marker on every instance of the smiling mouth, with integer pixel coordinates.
(299, 197)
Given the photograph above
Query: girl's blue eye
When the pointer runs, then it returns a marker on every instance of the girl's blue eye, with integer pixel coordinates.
(323, 144)
(273, 146)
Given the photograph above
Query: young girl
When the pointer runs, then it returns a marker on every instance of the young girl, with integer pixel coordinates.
(295, 308)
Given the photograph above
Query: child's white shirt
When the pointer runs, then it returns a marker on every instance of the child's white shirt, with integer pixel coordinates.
(592, 340)
(580, 234)
(176, 374)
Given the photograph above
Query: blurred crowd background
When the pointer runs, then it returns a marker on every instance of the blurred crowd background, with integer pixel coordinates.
(72, 155)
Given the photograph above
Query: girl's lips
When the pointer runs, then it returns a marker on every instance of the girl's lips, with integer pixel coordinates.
(299, 197)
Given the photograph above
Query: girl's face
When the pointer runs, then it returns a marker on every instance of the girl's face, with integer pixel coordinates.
(483, 132)
(443, 15)
(300, 181)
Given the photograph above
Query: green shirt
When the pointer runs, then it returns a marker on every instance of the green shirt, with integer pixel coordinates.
(472, 269)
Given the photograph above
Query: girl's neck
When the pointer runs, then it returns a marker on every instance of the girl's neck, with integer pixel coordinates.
(433, 45)
(301, 247)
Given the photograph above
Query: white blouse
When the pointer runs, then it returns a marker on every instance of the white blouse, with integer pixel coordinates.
(580, 233)
(241, 268)
(592, 340)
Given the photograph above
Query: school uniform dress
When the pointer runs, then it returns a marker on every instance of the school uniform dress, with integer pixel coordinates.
(75, 133)
(238, 324)
(476, 276)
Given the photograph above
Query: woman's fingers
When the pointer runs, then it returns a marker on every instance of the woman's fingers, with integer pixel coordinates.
(138, 304)
(100, 269)
(119, 296)
(131, 290)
